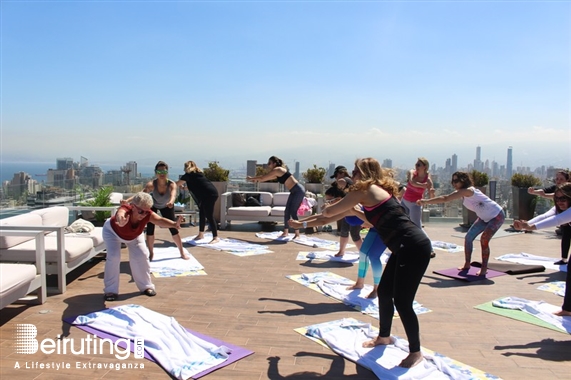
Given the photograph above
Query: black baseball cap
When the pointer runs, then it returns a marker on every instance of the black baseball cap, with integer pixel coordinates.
(338, 169)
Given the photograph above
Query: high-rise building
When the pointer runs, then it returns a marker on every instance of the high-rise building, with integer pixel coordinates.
(251, 168)
(388, 163)
(509, 165)
(454, 167)
(64, 163)
(131, 169)
(296, 174)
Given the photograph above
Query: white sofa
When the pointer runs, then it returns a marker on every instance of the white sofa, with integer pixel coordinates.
(64, 252)
(271, 210)
(18, 280)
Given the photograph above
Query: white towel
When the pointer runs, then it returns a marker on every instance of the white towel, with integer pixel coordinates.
(539, 309)
(179, 352)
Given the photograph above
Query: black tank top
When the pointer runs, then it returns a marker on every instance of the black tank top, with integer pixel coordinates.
(392, 223)
(284, 177)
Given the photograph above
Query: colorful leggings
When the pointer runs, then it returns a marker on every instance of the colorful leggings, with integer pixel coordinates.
(488, 229)
(371, 250)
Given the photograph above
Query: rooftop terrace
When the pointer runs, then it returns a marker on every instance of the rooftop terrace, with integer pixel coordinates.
(249, 302)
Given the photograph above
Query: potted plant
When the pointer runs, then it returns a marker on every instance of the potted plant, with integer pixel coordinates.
(219, 178)
(523, 202)
(480, 181)
(314, 178)
(271, 186)
(100, 198)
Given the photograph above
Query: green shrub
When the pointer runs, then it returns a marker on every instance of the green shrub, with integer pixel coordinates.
(525, 180)
(101, 198)
(480, 179)
(314, 175)
(216, 173)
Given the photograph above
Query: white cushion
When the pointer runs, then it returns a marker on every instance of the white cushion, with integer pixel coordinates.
(57, 216)
(74, 248)
(280, 199)
(28, 219)
(249, 211)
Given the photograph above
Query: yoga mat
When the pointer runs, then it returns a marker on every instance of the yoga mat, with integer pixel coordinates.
(469, 275)
(348, 257)
(499, 234)
(275, 235)
(366, 306)
(315, 242)
(237, 351)
(168, 263)
(518, 315)
(529, 259)
(555, 287)
(510, 268)
(233, 246)
(466, 371)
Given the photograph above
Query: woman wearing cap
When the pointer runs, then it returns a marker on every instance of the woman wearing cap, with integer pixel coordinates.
(279, 171)
(342, 182)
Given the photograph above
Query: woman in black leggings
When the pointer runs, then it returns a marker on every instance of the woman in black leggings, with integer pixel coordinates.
(205, 196)
(376, 190)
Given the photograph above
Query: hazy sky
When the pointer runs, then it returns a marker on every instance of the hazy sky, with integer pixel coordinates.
(308, 81)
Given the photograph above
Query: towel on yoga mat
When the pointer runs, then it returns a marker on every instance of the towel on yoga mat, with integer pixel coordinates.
(345, 337)
(163, 337)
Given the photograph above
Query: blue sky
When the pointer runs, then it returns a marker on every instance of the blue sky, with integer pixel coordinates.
(308, 81)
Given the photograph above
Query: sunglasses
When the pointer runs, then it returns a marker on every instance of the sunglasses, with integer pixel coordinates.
(162, 171)
(560, 199)
(140, 211)
(455, 180)
(418, 164)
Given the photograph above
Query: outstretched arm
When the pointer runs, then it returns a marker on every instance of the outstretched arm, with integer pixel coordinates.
(275, 173)
(446, 198)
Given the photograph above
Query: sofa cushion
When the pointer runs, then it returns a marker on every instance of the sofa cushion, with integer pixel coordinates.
(74, 248)
(15, 276)
(28, 219)
(96, 236)
(57, 216)
(251, 212)
(280, 199)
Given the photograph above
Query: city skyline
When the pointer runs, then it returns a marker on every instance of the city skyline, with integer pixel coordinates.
(309, 82)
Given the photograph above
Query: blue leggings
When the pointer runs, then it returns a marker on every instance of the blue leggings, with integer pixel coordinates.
(488, 229)
(296, 195)
(371, 250)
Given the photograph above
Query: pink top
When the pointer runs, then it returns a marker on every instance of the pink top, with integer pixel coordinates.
(412, 193)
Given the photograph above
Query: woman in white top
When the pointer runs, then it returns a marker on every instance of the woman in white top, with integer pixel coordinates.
(490, 217)
(560, 214)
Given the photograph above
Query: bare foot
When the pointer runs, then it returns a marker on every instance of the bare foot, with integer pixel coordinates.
(214, 241)
(563, 313)
(464, 267)
(482, 271)
(199, 237)
(356, 286)
(340, 254)
(296, 236)
(377, 342)
(284, 234)
(411, 360)
(184, 256)
(373, 294)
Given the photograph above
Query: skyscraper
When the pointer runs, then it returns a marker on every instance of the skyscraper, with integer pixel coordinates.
(454, 167)
(509, 165)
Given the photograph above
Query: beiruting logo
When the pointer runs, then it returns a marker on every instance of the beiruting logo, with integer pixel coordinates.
(26, 343)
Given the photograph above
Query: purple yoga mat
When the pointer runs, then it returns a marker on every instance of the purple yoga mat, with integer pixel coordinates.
(237, 351)
(467, 275)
